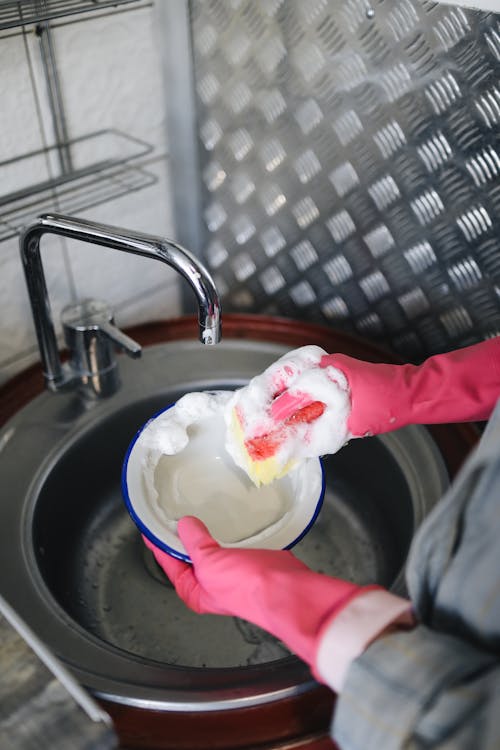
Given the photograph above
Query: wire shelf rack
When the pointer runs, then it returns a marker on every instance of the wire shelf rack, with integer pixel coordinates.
(102, 170)
(26, 12)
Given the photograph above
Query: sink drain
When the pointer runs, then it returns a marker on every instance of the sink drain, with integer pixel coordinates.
(153, 569)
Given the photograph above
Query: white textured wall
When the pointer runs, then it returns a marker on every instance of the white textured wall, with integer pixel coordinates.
(111, 78)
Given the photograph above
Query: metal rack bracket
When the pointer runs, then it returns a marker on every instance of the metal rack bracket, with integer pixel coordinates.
(27, 12)
(92, 181)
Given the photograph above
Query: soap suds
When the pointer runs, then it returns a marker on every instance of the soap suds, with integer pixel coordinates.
(297, 372)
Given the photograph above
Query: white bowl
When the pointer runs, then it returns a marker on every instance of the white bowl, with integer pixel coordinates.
(202, 480)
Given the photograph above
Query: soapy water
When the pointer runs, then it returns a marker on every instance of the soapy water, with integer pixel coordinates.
(186, 470)
(202, 480)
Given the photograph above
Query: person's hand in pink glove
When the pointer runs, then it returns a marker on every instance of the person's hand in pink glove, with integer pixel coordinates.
(270, 588)
(459, 386)
(310, 403)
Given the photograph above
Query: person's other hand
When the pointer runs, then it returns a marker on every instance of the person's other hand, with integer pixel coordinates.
(310, 403)
(458, 386)
(270, 588)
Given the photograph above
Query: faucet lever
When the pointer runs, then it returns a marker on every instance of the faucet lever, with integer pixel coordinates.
(121, 340)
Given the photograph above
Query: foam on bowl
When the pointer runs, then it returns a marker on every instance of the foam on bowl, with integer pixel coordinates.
(249, 416)
(178, 465)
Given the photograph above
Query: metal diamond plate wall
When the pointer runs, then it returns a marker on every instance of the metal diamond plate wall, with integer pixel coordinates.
(350, 163)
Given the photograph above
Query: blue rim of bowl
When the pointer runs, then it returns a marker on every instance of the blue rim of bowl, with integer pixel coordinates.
(163, 546)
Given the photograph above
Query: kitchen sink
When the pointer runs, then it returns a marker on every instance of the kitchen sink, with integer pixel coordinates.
(73, 565)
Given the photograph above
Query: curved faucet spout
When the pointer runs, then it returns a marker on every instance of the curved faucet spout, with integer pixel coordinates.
(158, 248)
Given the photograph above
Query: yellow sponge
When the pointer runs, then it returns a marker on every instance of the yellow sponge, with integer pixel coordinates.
(257, 456)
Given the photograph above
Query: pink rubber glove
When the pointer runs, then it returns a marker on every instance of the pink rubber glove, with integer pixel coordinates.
(269, 588)
(310, 403)
(459, 386)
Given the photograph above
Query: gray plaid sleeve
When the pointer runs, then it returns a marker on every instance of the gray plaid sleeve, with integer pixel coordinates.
(438, 685)
(420, 689)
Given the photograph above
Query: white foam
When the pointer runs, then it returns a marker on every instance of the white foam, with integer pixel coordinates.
(297, 371)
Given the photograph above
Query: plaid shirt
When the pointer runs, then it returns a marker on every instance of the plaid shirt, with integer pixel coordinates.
(438, 685)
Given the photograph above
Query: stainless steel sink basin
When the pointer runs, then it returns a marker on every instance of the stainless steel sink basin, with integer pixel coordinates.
(73, 565)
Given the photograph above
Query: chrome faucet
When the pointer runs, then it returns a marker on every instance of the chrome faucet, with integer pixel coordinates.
(89, 329)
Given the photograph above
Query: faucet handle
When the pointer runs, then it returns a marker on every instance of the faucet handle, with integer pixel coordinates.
(91, 338)
(121, 340)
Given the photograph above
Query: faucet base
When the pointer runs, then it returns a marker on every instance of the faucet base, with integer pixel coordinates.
(92, 338)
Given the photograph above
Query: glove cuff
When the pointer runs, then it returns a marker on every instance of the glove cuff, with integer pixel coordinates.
(363, 619)
(295, 608)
